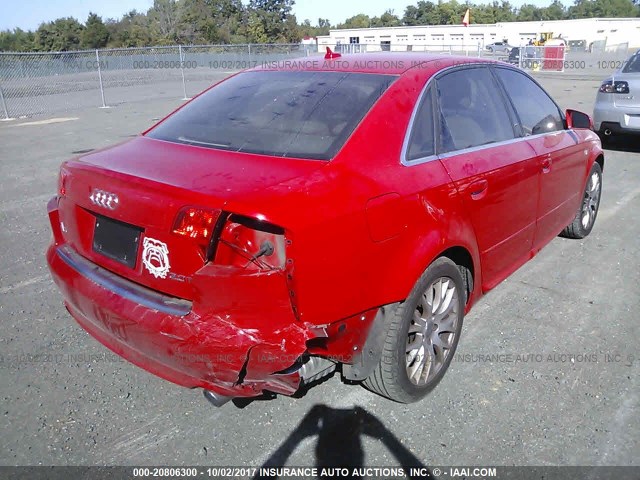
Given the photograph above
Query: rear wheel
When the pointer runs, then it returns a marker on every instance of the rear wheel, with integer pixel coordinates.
(586, 215)
(422, 336)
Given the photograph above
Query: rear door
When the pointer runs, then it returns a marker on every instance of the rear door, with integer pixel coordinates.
(559, 156)
(494, 171)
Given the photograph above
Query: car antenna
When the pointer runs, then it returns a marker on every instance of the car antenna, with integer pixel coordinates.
(331, 55)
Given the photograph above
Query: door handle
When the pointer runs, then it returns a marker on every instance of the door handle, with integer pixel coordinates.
(478, 189)
(546, 164)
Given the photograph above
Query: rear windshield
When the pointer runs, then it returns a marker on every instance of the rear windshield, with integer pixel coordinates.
(633, 64)
(287, 114)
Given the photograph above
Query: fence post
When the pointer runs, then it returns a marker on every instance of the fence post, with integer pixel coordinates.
(249, 47)
(520, 55)
(104, 105)
(4, 105)
(184, 87)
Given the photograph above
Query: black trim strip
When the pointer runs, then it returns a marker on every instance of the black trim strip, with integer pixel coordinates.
(123, 287)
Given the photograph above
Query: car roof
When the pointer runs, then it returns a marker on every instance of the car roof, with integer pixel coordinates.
(394, 63)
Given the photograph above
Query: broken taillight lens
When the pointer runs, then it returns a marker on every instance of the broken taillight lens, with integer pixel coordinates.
(250, 243)
(196, 223)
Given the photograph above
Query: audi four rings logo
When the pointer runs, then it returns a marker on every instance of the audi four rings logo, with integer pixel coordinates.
(104, 199)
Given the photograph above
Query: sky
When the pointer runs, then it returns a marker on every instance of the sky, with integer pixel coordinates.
(28, 14)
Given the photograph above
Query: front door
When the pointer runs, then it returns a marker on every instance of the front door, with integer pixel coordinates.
(494, 171)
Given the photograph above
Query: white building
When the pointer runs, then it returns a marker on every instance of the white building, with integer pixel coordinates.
(612, 31)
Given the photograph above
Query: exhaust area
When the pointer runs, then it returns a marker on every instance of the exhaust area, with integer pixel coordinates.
(215, 399)
(315, 369)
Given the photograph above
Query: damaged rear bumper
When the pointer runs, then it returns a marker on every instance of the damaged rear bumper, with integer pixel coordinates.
(233, 339)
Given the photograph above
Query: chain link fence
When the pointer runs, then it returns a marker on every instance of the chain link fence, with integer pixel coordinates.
(42, 83)
(594, 61)
(39, 83)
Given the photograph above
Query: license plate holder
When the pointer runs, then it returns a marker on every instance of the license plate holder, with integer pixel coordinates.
(116, 240)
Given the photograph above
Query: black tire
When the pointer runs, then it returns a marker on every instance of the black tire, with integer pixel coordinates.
(490, 49)
(390, 378)
(581, 227)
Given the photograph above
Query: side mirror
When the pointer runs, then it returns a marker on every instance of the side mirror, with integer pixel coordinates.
(576, 119)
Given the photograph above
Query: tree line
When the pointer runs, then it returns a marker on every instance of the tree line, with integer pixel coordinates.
(191, 22)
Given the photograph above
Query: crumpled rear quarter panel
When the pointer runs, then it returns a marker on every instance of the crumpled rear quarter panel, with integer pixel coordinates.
(232, 348)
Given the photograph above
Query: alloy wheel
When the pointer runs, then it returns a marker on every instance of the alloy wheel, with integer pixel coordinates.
(432, 332)
(591, 200)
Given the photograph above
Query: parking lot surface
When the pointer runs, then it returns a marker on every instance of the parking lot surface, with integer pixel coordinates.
(546, 373)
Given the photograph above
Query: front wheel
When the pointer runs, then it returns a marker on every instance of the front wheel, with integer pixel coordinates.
(422, 336)
(586, 215)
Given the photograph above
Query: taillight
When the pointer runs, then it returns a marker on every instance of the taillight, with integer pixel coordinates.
(196, 223)
(250, 243)
(617, 86)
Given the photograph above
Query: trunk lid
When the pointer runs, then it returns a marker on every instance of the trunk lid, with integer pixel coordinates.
(632, 99)
(120, 204)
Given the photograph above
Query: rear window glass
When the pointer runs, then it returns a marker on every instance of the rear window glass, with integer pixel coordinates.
(632, 65)
(287, 114)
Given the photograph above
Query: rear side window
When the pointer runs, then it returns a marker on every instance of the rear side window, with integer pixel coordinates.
(421, 142)
(632, 65)
(472, 111)
(537, 112)
(284, 113)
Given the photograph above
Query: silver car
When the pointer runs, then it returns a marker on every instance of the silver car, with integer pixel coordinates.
(617, 108)
(499, 47)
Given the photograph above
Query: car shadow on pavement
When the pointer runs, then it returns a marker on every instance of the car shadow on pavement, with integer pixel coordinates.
(339, 441)
(628, 143)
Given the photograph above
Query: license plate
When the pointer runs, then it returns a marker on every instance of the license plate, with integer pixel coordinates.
(116, 240)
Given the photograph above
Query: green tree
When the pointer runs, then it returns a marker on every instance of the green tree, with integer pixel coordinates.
(602, 8)
(324, 25)
(276, 19)
(60, 35)
(555, 11)
(529, 13)
(451, 13)
(255, 29)
(321, 28)
(210, 21)
(358, 21)
(163, 20)
(132, 30)
(387, 19)
(16, 41)
(95, 33)
(424, 13)
(485, 13)
(503, 12)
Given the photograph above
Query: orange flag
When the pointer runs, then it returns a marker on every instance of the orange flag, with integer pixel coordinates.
(465, 20)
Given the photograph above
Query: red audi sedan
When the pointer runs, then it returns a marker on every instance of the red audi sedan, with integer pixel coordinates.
(337, 215)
